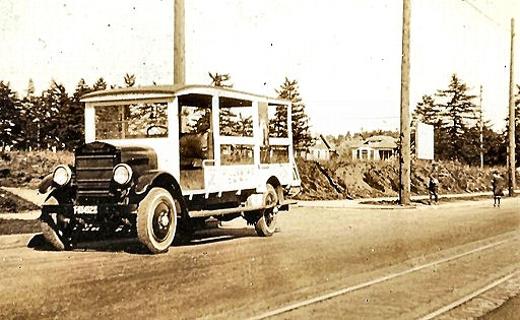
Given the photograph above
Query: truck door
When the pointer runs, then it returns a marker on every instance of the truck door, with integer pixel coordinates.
(195, 139)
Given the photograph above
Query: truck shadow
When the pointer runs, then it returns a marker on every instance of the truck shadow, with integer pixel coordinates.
(133, 246)
(212, 235)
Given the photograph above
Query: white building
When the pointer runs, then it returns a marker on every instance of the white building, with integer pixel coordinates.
(322, 150)
(375, 148)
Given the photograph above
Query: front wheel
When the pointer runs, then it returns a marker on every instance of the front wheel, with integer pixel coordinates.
(157, 220)
(265, 226)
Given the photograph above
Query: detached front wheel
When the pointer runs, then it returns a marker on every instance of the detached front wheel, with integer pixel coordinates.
(266, 223)
(56, 229)
(157, 220)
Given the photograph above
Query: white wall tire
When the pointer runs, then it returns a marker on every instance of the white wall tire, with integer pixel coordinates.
(265, 226)
(157, 220)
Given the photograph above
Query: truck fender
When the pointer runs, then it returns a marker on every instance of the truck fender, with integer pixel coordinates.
(162, 179)
(144, 181)
(273, 180)
(45, 184)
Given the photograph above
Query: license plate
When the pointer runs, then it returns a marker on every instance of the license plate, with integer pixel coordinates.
(85, 209)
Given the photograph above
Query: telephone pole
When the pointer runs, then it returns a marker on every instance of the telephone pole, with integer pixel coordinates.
(481, 125)
(404, 136)
(511, 129)
(179, 61)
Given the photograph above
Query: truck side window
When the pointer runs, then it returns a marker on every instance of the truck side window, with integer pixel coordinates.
(236, 120)
(236, 117)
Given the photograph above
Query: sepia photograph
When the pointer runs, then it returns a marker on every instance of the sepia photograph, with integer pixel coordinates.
(247, 159)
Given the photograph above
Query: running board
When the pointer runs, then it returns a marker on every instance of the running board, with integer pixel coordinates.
(288, 202)
(222, 212)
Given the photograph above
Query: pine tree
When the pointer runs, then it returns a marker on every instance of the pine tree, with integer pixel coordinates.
(9, 116)
(82, 88)
(494, 146)
(30, 88)
(53, 120)
(278, 125)
(100, 84)
(227, 122)
(457, 115)
(30, 109)
(302, 139)
(426, 112)
(73, 117)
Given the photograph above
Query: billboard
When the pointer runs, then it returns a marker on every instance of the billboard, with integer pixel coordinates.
(424, 141)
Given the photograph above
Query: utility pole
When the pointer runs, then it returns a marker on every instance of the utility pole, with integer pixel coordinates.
(404, 136)
(179, 60)
(481, 124)
(511, 129)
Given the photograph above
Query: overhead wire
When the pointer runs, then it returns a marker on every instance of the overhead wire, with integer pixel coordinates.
(482, 13)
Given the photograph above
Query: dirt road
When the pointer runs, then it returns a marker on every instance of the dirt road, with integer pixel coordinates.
(231, 273)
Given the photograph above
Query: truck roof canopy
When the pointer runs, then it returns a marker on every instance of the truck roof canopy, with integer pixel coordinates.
(165, 91)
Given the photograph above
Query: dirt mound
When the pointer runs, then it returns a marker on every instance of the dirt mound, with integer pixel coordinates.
(336, 179)
(316, 184)
(368, 179)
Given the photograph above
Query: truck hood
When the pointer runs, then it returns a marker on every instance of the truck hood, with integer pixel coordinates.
(140, 158)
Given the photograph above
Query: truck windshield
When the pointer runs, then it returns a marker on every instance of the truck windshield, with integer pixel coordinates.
(140, 120)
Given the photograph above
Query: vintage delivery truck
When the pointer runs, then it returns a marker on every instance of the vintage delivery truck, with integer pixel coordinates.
(159, 160)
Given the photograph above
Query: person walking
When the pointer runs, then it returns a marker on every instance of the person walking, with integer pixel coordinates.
(496, 184)
(433, 186)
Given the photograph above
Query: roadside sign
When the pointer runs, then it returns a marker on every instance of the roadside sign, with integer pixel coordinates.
(424, 141)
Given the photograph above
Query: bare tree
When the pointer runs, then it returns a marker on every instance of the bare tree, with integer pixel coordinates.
(219, 79)
(129, 80)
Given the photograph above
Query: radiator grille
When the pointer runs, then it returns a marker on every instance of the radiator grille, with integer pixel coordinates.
(94, 176)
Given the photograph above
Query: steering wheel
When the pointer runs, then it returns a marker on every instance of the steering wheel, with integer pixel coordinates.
(148, 133)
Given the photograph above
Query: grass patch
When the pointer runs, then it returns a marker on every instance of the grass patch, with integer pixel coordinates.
(27, 168)
(18, 226)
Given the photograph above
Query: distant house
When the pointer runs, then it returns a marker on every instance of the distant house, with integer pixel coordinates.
(375, 148)
(322, 150)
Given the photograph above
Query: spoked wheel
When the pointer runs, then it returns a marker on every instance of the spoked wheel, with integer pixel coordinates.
(157, 220)
(56, 230)
(266, 223)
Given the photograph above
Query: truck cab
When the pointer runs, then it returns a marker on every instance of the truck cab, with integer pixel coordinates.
(160, 160)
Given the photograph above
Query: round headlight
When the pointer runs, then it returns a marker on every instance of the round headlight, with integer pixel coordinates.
(62, 175)
(122, 173)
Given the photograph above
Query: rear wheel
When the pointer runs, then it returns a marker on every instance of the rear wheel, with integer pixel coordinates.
(157, 220)
(265, 226)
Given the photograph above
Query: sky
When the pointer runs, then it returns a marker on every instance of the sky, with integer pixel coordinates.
(345, 54)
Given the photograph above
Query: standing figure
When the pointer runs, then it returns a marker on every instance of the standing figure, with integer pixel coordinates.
(433, 186)
(496, 184)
